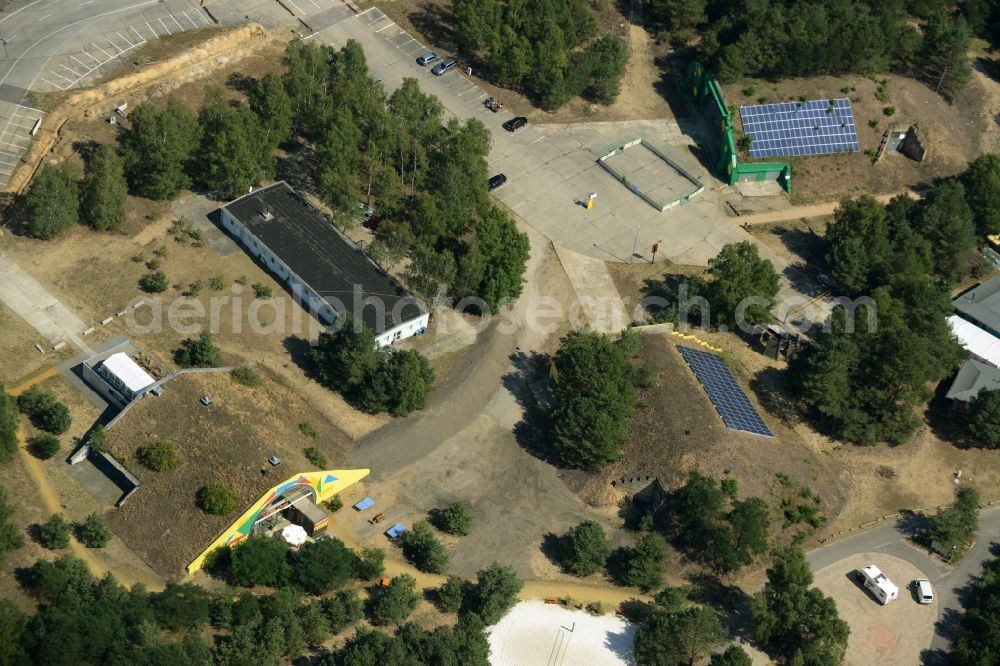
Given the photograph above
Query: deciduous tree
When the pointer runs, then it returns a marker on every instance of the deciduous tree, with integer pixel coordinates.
(422, 549)
(394, 603)
(584, 550)
(260, 560)
(743, 285)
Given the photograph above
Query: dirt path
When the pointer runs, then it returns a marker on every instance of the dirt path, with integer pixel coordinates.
(50, 500)
(812, 210)
(639, 97)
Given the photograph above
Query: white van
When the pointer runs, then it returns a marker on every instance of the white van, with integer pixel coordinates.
(883, 588)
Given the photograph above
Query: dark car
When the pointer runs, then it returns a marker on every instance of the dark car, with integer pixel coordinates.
(496, 181)
(445, 66)
(515, 124)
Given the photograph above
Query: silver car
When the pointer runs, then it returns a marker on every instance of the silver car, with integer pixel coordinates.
(443, 67)
(428, 58)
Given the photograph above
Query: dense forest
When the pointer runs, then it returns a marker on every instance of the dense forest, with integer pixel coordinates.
(866, 383)
(785, 38)
(549, 49)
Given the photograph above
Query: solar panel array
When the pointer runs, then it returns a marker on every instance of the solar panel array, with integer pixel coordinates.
(729, 399)
(816, 127)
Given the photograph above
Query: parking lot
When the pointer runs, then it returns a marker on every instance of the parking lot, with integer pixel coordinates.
(552, 169)
(890, 635)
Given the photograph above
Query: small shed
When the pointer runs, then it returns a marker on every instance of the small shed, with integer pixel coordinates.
(395, 530)
(366, 503)
(125, 375)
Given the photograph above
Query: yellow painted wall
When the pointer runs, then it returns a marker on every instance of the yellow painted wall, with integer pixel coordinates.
(326, 484)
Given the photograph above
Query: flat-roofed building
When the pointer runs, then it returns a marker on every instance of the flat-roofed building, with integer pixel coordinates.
(325, 271)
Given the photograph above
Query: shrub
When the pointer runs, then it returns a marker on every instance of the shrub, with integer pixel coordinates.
(45, 411)
(370, 564)
(889, 111)
(200, 353)
(343, 609)
(585, 549)
(154, 282)
(217, 282)
(160, 456)
(335, 504)
(455, 519)
(260, 560)
(54, 533)
(261, 290)
(315, 457)
(98, 440)
(308, 430)
(94, 532)
(217, 498)
(495, 592)
(323, 565)
(194, 288)
(246, 376)
(11, 537)
(422, 549)
(451, 594)
(44, 446)
(392, 604)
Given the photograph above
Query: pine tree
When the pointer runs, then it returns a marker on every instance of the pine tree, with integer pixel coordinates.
(157, 148)
(104, 190)
(52, 204)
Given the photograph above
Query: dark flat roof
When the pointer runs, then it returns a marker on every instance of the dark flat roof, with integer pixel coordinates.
(326, 260)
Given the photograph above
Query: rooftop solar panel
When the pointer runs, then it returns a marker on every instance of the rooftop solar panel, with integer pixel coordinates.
(816, 127)
(729, 399)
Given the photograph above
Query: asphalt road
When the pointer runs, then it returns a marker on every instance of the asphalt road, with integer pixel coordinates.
(950, 583)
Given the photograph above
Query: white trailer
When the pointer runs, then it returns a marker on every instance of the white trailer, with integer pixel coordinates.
(879, 585)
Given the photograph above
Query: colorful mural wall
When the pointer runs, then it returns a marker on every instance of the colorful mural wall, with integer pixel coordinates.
(324, 484)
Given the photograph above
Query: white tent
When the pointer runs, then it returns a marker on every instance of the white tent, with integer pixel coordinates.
(128, 372)
(978, 342)
(294, 535)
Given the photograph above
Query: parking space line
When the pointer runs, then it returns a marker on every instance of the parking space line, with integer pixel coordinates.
(130, 44)
(155, 34)
(365, 12)
(295, 7)
(115, 46)
(91, 57)
(203, 17)
(100, 49)
(165, 26)
(54, 85)
(384, 27)
(190, 19)
(179, 26)
(73, 72)
(142, 40)
(78, 61)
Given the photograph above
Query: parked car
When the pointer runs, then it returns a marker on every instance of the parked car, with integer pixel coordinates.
(428, 58)
(922, 588)
(515, 124)
(443, 67)
(878, 584)
(366, 210)
(496, 181)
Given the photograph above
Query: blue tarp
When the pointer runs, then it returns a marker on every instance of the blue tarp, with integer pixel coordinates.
(395, 530)
(366, 503)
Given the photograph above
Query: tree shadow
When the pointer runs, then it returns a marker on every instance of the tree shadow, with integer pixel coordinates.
(241, 82)
(804, 243)
(912, 525)
(299, 351)
(617, 566)
(946, 424)
(948, 623)
(773, 390)
(295, 167)
(552, 547)
(528, 382)
(434, 22)
(988, 67)
(728, 601)
(86, 149)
